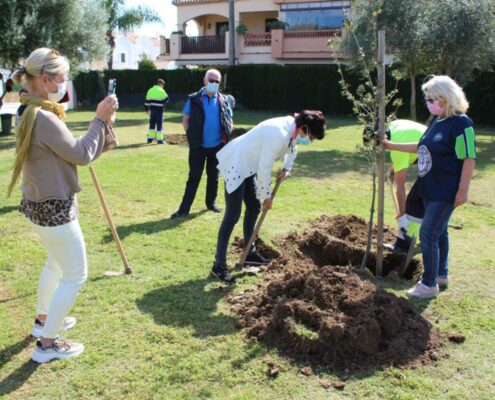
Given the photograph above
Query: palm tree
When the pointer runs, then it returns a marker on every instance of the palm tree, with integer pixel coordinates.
(125, 19)
(231, 32)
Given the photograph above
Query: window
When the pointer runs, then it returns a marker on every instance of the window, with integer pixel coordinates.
(268, 21)
(221, 28)
(316, 15)
(122, 57)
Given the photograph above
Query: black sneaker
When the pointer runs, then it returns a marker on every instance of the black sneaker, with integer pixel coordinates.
(255, 258)
(400, 245)
(179, 214)
(214, 208)
(222, 272)
(150, 141)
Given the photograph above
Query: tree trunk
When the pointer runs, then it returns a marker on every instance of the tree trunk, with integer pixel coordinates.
(111, 43)
(231, 33)
(412, 77)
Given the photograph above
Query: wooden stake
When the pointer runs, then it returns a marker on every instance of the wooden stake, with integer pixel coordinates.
(120, 248)
(380, 151)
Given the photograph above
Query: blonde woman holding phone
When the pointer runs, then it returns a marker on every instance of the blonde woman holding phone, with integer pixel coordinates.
(46, 156)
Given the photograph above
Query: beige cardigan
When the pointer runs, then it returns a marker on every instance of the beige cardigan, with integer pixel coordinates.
(50, 169)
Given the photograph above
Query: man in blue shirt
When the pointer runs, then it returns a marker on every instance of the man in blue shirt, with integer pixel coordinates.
(208, 124)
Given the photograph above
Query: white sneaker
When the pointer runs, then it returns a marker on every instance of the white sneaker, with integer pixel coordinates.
(424, 292)
(37, 330)
(442, 282)
(60, 348)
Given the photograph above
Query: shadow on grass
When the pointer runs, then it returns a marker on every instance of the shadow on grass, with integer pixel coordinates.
(124, 123)
(151, 227)
(18, 378)
(9, 352)
(323, 164)
(22, 296)
(8, 209)
(7, 143)
(189, 305)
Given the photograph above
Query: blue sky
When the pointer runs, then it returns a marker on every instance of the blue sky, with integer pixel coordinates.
(165, 10)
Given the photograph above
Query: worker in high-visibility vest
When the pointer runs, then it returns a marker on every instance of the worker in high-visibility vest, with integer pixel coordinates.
(155, 101)
(411, 209)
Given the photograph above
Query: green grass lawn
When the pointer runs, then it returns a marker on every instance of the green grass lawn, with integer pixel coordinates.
(166, 333)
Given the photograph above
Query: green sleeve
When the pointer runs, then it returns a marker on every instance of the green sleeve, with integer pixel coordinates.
(465, 145)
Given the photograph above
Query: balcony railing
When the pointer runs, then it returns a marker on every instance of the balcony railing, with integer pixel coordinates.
(257, 39)
(164, 45)
(324, 33)
(203, 44)
(186, 2)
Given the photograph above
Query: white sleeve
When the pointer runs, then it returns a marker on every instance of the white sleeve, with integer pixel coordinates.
(290, 157)
(268, 156)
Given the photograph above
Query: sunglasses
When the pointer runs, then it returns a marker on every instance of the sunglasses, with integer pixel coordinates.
(213, 80)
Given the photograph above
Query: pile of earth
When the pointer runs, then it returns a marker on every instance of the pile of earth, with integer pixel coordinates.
(175, 138)
(316, 307)
(180, 138)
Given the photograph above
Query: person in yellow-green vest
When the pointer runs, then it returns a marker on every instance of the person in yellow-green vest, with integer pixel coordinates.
(155, 101)
(410, 209)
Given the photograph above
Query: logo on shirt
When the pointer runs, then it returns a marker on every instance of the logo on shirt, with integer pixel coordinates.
(438, 137)
(424, 160)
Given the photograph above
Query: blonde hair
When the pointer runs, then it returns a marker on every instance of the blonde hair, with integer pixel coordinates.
(42, 61)
(444, 87)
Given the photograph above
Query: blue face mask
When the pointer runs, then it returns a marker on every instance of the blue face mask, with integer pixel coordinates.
(303, 140)
(212, 87)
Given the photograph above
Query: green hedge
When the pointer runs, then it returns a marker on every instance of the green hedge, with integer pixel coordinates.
(277, 88)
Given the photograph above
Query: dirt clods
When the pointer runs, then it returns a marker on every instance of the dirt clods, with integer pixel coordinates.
(175, 138)
(315, 307)
(455, 337)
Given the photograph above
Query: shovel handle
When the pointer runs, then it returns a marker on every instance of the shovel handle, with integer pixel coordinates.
(247, 248)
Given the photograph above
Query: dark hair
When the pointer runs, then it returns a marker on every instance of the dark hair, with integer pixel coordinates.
(314, 120)
(160, 82)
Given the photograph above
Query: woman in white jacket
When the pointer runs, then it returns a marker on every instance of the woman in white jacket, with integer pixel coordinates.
(246, 166)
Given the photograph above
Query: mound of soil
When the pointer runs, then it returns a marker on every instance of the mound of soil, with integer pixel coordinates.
(176, 138)
(315, 307)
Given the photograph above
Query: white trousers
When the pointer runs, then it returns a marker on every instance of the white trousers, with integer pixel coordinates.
(63, 275)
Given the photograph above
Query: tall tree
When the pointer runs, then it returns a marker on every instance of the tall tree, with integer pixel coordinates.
(459, 36)
(124, 19)
(401, 21)
(453, 37)
(74, 27)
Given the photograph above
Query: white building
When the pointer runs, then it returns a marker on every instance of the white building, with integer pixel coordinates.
(129, 50)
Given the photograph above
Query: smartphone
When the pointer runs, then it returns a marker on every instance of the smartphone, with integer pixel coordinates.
(112, 86)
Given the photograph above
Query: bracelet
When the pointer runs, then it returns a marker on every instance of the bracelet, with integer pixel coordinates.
(100, 121)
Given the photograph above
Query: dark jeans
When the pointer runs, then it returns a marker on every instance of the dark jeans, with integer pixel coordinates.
(197, 159)
(156, 119)
(233, 204)
(435, 240)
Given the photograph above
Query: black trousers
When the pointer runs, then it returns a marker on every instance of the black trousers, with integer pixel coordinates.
(233, 205)
(197, 160)
(414, 202)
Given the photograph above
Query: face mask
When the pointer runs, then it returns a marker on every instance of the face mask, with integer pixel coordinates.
(61, 90)
(303, 140)
(212, 87)
(434, 108)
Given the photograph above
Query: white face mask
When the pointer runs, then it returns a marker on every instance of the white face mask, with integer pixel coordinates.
(61, 91)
